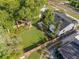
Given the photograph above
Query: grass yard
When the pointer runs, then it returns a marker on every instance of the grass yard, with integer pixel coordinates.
(30, 36)
(35, 55)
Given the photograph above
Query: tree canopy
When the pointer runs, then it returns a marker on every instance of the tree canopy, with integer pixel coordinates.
(74, 3)
(10, 11)
(18, 9)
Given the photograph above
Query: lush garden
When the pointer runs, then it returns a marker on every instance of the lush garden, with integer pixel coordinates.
(29, 39)
(13, 41)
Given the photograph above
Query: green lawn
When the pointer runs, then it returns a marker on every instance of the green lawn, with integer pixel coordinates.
(29, 37)
(35, 55)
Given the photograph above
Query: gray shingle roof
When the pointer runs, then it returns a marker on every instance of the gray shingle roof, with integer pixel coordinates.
(70, 51)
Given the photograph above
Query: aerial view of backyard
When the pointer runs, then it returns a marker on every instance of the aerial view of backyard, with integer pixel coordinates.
(39, 29)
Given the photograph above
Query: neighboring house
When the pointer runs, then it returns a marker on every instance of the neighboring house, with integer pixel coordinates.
(69, 48)
(54, 53)
(70, 27)
(70, 51)
(66, 23)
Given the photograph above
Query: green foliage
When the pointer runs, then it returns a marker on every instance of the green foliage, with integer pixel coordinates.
(10, 11)
(49, 19)
(74, 3)
(33, 8)
(18, 9)
(3, 15)
(3, 51)
(8, 44)
(10, 5)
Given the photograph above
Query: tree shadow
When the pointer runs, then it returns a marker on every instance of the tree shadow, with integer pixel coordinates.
(34, 45)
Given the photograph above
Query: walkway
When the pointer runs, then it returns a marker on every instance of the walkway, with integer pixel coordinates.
(39, 47)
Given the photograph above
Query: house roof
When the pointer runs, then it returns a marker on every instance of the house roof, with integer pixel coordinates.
(65, 19)
(70, 51)
(68, 28)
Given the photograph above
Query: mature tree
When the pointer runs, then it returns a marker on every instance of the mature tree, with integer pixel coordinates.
(74, 3)
(28, 8)
(49, 19)
(10, 11)
(8, 44)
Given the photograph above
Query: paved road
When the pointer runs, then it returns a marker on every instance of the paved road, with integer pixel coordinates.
(64, 7)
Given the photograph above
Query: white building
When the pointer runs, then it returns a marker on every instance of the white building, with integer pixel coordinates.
(66, 29)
